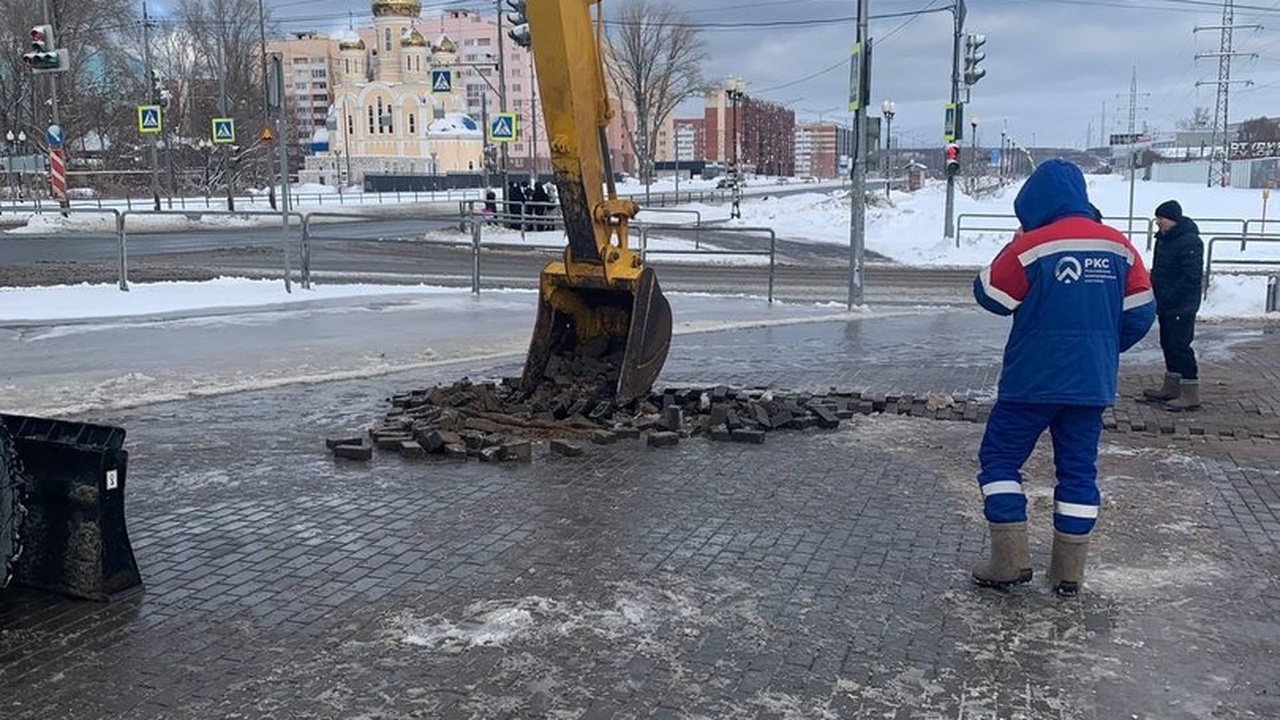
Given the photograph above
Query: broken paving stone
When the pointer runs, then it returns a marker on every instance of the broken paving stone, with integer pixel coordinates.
(565, 448)
(353, 452)
(575, 404)
(672, 418)
(663, 439)
(411, 449)
(521, 451)
(390, 441)
(490, 454)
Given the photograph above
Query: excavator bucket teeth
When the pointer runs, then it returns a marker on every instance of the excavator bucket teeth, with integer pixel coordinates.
(588, 332)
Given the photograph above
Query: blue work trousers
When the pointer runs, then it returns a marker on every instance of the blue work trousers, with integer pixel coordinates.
(1010, 437)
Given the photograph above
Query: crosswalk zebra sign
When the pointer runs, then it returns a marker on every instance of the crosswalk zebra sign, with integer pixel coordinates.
(224, 130)
(502, 127)
(441, 81)
(148, 119)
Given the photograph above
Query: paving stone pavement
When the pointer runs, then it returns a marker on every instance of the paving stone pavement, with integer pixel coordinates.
(819, 575)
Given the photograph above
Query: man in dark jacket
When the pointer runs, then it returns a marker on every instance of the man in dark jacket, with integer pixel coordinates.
(1079, 296)
(1177, 276)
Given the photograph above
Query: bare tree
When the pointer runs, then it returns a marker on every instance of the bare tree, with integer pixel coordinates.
(656, 58)
(1200, 120)
(1258, 129)
(90, 92)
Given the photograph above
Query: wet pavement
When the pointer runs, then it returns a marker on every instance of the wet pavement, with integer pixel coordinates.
(819, 575)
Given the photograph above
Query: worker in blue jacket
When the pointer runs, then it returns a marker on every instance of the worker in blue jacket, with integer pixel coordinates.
(1079, 296)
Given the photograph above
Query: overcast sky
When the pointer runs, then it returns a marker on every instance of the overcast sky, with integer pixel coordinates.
(1051, 64)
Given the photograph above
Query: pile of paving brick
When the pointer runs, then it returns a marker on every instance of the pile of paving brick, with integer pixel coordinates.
(496, 421)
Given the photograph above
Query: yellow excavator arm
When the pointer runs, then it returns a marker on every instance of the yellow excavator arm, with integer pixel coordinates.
(599, 301)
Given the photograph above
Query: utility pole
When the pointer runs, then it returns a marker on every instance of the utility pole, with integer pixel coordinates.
(502, 104)
(958, 13)
(57, 167)
(224, 108)
(858, 195)
(266, 104)
(1133, 151)
(533, 120)
(151, 98)
(1220, 158)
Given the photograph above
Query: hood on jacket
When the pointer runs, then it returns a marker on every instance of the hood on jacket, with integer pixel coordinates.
(1054, 191)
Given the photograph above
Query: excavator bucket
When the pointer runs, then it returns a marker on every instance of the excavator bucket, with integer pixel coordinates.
(591, 330)
(73, 536)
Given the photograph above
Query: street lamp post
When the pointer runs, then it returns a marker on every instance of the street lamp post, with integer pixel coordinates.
(973, 153)
(1004, 134)
(887, 108)
(8, 163)
(19, 142)
(337, 170)
(733, 91)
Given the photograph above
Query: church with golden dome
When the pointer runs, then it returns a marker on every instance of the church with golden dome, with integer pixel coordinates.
(399, 104)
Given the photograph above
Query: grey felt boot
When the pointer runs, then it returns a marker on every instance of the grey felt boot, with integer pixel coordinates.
(1066, 567)
(1171, 389)
(1188, 399)
(1010, 562)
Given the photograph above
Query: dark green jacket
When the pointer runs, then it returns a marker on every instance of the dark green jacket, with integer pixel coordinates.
(1177, 270)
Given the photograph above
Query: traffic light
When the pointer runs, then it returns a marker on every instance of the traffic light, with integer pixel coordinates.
(973, 56)
(160, 94)
(43, 58)
(519, 20)
(953, 159)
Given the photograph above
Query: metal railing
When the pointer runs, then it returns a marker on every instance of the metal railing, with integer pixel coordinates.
(1211, 261)
(129, 227)
(1238, 227)
(771, 252)
(1011, 223)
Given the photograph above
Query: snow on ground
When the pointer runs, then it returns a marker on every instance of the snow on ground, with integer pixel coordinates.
(907, 229)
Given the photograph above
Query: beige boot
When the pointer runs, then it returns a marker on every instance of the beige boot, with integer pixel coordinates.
(1010, 562)
(1066, 567)
(1170, 390)
(1189, 399)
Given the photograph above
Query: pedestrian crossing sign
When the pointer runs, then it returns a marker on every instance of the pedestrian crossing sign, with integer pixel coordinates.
(441, 81)
(224, 131)
(502, 128)
(148, 119)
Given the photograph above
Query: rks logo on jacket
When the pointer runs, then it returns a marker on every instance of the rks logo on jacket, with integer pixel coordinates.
(1068, 270)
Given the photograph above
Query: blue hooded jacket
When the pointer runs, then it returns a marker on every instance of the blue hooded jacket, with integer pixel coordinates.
(1076, 288)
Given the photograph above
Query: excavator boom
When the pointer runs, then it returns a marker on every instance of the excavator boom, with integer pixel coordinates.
(598, 307)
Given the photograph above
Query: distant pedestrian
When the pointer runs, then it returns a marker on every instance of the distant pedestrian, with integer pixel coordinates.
(515, 206)
(490, 205)
(541, 206)
(1079, 296)
(1177, 277)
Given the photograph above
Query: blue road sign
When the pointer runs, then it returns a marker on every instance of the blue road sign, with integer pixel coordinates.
(441, 81)
(54, 136)
(502, 127)
(224, 131)
(149, 118)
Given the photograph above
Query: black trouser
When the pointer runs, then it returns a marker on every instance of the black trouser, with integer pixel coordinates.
(1176, 335)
